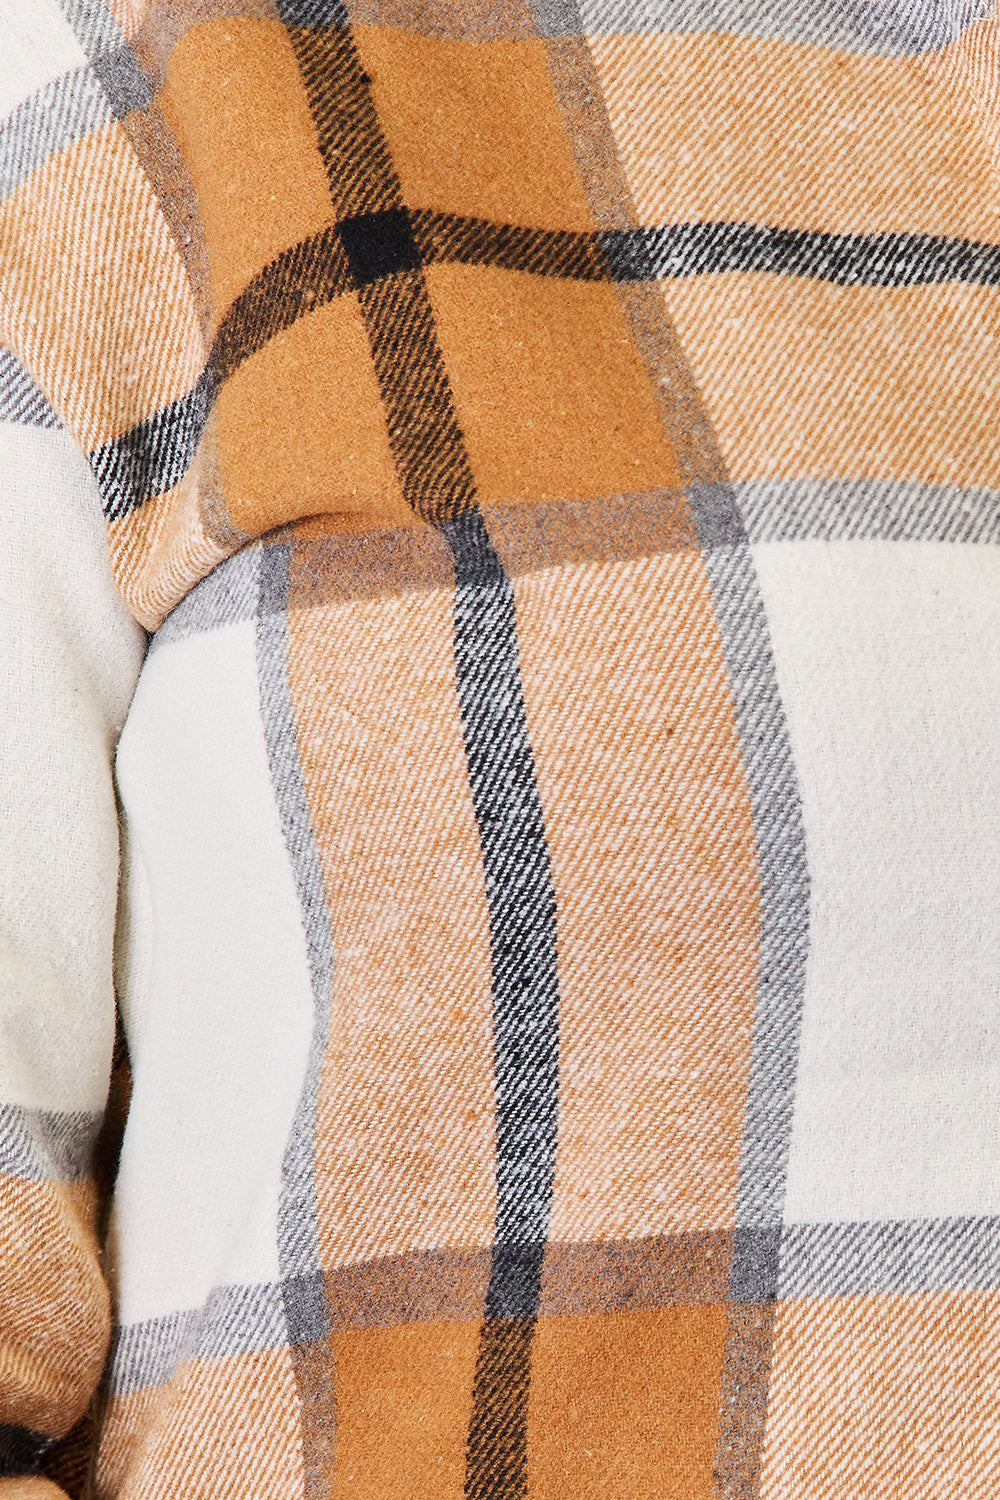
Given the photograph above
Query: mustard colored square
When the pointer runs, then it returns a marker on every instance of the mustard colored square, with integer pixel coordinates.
(552, 396)
(302, 430)
(235, 100)
(474, 128)
(404, 1399)
(626, 1405)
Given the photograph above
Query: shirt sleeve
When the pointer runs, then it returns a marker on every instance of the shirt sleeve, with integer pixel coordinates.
(69, 659)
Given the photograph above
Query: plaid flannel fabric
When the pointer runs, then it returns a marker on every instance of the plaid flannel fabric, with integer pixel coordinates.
(556, 445)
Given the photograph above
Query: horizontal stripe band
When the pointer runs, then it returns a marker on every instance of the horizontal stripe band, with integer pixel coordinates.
(39, 1145)
(354, 566)
(329, 263)
(911, 1257)
(153, 456)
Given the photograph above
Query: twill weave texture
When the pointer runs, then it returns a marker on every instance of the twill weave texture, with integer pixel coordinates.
(554, 449)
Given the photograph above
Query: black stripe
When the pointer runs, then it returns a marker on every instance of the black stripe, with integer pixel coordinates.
(359, 169)
(156, 454)
(301, 279)
(525, 1001)
(497, 1460)
(318, 269)
(377, 235)
(510, 247)
(424, 434)
(845, 259)
(381, 249)
(21, 1450)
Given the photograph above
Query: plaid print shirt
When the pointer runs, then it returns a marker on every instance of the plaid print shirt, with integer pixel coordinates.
(500, 623)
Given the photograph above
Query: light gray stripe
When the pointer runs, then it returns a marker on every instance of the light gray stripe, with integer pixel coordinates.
(39, 1145)
(235, 1320)
(783, 875)
(60, 113)
(867, 509)
(227, 596)
(147, 1354)
(298, 1230)
(122, 80)
(21, 402)
(922, 1255)
(901, 28)
(95, 26)
(306, 1313)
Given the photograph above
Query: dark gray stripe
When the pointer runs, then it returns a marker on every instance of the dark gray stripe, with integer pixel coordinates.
(21, 402)
(299, 1244)
(364, 251)
(909, 1256)
(793, 510)
(429, 1286)
(783, 947)
(522, 911)
(123, 81)
(235, 1320)
(783, 950)
(518, 888)
(305, 1311)
(377, 251)
(903, 28)
(40, 1145)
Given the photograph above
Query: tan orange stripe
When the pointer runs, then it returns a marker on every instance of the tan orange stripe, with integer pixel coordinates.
(885, 1396)
(54, 1316)
(223, 1429)
(405, 1149)
(806, 380)
(551, 394)
(474, 128)
(162, 549)
(725, 127)
(652, 848)
(128, 1424)
(101, 311)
